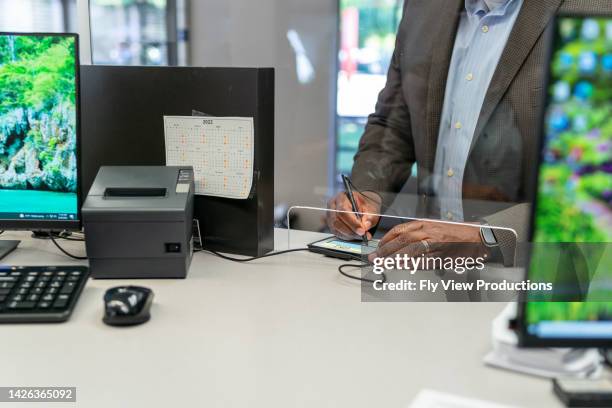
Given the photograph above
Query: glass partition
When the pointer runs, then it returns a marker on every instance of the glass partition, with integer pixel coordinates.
(411, 259)
(361, 92)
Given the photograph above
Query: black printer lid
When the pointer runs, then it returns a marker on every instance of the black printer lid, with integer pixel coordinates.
(140, 193)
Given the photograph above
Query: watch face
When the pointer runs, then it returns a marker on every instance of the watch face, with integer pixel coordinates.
(488, 237)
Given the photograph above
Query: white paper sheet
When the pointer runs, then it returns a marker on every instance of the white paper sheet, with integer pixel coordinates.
(435, 399)
(221, 151)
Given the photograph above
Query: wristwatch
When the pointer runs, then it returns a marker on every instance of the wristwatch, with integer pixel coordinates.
(488, 237)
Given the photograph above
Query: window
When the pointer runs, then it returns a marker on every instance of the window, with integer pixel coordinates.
(143, 32)
(367, 39)
(38, 15)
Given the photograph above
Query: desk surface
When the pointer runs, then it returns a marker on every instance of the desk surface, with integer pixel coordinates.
(287, 331)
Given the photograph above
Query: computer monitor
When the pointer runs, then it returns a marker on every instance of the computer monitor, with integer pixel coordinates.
(39, 133)
(572, 215)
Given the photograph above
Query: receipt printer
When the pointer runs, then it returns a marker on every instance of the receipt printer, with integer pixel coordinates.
(138, 222)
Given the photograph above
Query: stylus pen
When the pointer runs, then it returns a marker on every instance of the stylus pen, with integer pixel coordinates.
(351, 197)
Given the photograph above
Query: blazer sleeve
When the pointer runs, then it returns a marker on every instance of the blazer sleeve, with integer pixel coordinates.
(386, 150)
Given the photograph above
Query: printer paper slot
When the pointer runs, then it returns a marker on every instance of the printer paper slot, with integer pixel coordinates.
(135, 192)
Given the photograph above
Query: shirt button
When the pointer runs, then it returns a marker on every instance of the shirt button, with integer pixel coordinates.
(450, 173)
(458, 125)
(485, 29)
(469, 76)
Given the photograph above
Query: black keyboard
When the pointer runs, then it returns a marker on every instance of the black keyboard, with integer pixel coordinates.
(40, 294)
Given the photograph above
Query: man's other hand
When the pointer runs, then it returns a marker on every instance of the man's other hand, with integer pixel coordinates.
(348, 225)
(443, 239)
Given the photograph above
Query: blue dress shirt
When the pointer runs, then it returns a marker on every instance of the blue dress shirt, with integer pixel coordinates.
(482, 35)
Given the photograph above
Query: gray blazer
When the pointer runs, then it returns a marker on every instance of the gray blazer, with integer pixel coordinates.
(503, 160)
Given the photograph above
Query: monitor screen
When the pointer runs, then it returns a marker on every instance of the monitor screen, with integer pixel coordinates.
(39, 178)
(574, 197)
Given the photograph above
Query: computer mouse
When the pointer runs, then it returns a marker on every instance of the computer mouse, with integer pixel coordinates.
(127, 305)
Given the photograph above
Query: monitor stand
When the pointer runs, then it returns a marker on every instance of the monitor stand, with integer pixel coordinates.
(48, 234)
(6, 247)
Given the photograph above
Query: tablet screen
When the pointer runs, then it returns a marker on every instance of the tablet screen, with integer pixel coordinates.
(350, 247)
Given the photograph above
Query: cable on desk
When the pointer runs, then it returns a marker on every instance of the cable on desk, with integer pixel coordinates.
(340, 268)
(73, 239)
(253, 258)
(69, 236)
(68, 254)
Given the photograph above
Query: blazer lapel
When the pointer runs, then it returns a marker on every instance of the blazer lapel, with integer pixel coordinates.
(440, 63)
(530, 24)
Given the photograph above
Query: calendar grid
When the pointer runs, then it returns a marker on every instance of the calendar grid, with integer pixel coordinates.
(221, 151)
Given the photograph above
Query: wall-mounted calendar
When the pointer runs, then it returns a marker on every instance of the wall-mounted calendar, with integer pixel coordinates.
(221, 151)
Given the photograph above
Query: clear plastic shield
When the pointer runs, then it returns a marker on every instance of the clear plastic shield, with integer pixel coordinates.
(410, 259)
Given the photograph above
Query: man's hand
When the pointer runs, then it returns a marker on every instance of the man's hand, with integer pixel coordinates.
(443, 239)
(348, 225)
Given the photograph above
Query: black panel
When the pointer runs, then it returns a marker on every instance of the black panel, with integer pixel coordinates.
(122, 124)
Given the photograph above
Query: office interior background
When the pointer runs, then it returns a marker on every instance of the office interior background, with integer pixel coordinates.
(330, 56)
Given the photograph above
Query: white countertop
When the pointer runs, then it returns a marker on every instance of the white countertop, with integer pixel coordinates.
(287, 331)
